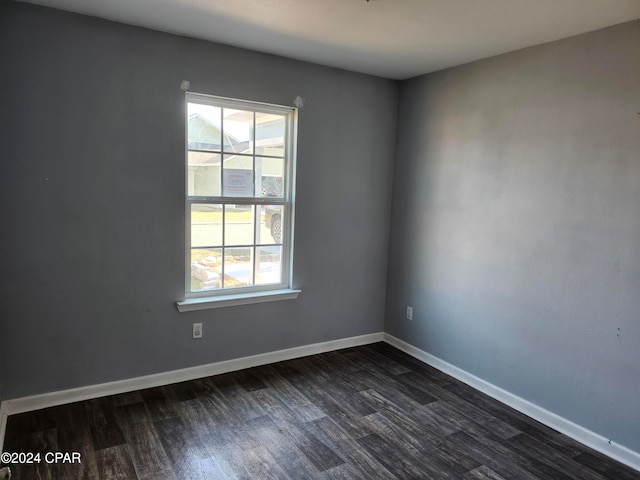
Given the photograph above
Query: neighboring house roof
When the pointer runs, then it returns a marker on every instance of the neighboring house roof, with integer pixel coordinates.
(206, 135)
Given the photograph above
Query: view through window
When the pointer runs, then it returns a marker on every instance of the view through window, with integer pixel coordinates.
(239, 190)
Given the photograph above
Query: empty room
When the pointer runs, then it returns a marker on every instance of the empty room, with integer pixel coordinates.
(348, 239)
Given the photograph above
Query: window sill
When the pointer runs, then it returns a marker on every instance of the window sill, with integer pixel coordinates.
(205, 303)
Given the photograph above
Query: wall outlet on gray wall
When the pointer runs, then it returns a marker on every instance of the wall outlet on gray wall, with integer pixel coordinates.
(197, 330)
(409, 313)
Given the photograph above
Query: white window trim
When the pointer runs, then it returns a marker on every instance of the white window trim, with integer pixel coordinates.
(258, 293)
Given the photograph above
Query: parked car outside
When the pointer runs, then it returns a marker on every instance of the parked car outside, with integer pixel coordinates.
(273, 221)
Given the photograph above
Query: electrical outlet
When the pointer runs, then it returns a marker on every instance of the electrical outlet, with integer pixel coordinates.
(197, 330)
(409, 313)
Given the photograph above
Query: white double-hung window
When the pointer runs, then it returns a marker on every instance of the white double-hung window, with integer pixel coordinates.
(240, 180)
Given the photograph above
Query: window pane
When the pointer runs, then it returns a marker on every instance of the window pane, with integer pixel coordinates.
(203, 127)
(269, 177)
(270, 225)
(203, 174)
(238, 267)
(270, 130)
(206, 225)
(268, 265)
(238, 130)
(205, 269)
(238, 176)
(238, 225)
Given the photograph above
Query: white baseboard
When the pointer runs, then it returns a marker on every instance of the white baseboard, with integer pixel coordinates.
(45, 400)
(587, 437)
(3, 426)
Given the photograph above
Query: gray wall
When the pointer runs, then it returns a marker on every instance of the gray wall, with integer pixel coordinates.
(515, 229)
(92, 175)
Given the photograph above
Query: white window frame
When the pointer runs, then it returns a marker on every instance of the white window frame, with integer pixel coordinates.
(229, 296)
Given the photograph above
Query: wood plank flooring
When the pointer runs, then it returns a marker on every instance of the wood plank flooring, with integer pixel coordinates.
(369, 412)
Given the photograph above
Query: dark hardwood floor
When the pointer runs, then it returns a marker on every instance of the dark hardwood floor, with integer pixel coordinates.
(369, 412)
